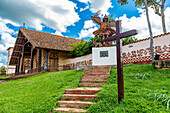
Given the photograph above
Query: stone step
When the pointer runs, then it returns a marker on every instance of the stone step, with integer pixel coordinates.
(98, 69)
(96, 75)
(90, 85)
(102, 67)
(78, 97)
(69, 110)
(93, 81)
(74, 104)
(94, 78)
(89, 91)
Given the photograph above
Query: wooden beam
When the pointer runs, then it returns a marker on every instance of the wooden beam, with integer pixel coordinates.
(21, 37)
(121, 35)
(18, 45)
(15, 57)
(119, 62)
(17, 51)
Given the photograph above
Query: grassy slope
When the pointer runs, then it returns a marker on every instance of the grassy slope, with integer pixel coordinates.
(40, 93)
(37, 93)
(143, 93)
(4, 77)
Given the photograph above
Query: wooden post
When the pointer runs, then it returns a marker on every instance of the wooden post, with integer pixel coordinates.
(46, 61)
(17, 66)
(31, 61)
(39, 61)
(119, 63)
(22, 62)
(16, 70)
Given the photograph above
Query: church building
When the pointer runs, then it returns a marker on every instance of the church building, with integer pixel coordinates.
(36, 51)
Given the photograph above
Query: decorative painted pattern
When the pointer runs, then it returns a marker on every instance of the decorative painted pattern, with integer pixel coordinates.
(143, 56)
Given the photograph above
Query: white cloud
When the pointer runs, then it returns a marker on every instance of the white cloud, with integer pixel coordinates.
(3, 59)
(140, 23)
(88, 29)
(1, 64)
(87, 32)
(57, 14)
(96, 5)
(6, 41)
(88, 24)
(4, 28)
(58, 33)
(82, 9)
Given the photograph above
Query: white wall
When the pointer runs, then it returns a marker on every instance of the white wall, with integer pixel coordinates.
(98, 60)
(140, 51)
(79, 61)
(10, 69)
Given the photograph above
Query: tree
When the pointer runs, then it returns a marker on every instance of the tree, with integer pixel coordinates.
(3, 70)
(150, 31)
(141, 3)
(129, 40)
(157, 5)
(83, 48)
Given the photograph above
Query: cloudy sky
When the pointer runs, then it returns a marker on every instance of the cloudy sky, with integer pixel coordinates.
(70, 18)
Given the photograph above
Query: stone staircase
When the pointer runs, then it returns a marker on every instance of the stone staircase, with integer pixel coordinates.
(79, 99)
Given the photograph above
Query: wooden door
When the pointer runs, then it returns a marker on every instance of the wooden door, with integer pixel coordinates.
(54, 61)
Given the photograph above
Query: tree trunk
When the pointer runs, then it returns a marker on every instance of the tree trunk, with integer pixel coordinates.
(150, 31)
(163, 19)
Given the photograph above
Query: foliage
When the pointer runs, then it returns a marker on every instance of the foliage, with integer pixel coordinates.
(83, 48)
(37, 94)
(3, 70)
(157, 5)
(141, 95)
(129, 40)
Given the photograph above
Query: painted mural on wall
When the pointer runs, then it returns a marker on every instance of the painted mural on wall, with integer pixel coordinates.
(144, 55)
(76, 64)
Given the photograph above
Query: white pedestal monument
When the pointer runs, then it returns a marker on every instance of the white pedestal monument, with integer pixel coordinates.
(102, 56)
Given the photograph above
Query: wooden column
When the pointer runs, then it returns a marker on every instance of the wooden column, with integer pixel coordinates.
(16, 70)
(46, 61)
(39, 61)
(17, 66)
(31, 60)
(22, 62)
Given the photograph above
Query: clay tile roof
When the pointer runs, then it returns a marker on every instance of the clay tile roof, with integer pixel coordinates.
(47, 40)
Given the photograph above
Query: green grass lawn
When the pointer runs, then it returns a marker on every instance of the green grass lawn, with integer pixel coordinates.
(147, 90)
(4, 76)
(38, 93)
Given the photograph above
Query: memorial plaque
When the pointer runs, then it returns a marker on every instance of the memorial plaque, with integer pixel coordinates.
(103, 53)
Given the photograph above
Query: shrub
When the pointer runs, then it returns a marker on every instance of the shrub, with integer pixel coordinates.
(83, 48)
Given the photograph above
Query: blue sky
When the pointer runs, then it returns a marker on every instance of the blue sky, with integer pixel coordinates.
(70, 18)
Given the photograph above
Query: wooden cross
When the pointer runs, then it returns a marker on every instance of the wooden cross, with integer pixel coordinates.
(117, 37)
